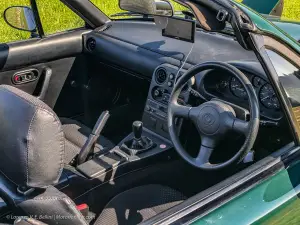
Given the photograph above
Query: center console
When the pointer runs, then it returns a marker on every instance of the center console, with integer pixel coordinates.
(156, 108)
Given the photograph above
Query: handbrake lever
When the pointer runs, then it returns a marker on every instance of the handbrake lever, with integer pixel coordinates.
(88, 147)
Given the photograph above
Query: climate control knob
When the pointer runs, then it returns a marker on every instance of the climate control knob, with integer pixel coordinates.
(157, 93)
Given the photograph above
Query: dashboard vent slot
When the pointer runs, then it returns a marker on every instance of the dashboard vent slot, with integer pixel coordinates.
(91, 44)
(161, 76)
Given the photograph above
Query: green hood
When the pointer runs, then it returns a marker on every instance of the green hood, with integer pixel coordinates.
(290, 27)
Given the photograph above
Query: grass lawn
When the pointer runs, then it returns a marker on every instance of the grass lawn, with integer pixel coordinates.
(57, 17)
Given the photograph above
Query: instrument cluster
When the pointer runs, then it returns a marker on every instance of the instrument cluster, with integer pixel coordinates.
(230, 89)
(266, 94)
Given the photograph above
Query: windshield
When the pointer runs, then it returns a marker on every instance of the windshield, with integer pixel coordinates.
(112, 10)
(283, 13)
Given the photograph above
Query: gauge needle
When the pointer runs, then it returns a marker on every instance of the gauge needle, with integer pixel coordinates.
(265, 98)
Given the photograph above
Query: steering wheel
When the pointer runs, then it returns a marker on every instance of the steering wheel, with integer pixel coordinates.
(213, 119)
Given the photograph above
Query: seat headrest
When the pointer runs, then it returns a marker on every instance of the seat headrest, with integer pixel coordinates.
(32, 141)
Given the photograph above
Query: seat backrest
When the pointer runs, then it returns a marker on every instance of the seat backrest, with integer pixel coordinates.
(32, 159)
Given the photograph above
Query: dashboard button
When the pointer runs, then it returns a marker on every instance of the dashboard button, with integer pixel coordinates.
(172, 76)
(170, 83)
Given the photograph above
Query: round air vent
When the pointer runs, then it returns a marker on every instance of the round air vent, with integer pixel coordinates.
(91, 44)
(161, 76)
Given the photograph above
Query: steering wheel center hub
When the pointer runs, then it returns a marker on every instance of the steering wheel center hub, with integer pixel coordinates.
(208, 120)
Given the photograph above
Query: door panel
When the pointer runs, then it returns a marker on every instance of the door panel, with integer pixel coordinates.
(51, 58)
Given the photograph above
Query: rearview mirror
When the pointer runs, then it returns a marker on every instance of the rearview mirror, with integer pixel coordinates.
(20, 17)
(148, 7)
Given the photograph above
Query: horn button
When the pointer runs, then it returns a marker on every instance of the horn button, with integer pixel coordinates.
(208, 120)
(212, 116)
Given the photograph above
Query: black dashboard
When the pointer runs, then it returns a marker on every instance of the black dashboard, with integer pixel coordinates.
(146, 50)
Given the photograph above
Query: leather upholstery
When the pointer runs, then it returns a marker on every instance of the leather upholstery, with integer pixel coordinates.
(32, 140)
(32, 159)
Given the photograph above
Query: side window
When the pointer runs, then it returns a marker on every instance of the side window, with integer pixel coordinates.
(57, 17)
(289, 77)
(8, 33)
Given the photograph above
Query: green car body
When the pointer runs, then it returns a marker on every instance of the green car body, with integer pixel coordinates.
(280, 29)
(292, 28)
(274, 201)
(272, 10)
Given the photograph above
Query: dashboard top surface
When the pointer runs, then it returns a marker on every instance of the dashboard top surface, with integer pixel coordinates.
(207, 46)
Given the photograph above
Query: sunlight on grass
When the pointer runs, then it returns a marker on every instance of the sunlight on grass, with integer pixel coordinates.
(8, 33)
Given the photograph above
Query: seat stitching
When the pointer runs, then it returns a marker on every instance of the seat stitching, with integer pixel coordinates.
(56, 120)
(32, 104)
(27, 144)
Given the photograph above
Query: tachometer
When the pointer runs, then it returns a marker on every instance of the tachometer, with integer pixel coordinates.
(268, 97)
(237, 88)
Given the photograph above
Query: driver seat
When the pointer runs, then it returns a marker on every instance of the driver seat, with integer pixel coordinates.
(32, 160)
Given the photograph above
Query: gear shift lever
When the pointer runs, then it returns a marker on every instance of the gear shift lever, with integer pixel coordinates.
(137, 129)
(138, 143)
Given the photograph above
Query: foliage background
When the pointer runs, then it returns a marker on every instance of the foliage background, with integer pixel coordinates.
(57, 17)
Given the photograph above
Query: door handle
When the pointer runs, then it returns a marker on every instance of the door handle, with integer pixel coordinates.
(48, 74)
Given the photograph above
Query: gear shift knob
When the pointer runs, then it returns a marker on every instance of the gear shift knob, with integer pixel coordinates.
(137, 129)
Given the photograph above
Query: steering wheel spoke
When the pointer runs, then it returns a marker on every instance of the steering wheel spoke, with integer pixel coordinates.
(240, 126)
(180, 110)
(206, 149)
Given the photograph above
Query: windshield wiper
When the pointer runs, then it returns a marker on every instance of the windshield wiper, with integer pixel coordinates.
(130, 14)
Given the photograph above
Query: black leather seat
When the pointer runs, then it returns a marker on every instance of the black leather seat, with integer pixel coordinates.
(32, 160)
(76, 135)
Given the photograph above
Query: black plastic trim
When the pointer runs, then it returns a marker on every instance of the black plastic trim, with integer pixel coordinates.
(33, 51)
(37, 18)
(92, 15)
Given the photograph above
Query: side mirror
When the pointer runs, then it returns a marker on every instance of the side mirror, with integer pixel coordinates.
(148, 7)
(20, 17)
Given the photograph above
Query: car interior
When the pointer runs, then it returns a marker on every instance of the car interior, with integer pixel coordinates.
(104, 126)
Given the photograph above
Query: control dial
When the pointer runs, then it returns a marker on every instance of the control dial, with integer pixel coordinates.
(157, 93)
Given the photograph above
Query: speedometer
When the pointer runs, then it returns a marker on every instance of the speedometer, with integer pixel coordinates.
(268, 97)
(237, 88)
